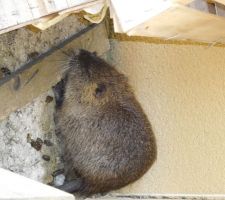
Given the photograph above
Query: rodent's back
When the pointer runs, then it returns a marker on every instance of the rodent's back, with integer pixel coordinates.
(108, 145)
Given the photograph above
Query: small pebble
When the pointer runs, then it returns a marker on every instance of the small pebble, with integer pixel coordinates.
(46, 157)
(37, 145)
(48, 99)
(59, 180)
(39, 140)
(48, 143)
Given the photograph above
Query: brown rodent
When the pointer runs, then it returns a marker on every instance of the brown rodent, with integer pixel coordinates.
(108, 139)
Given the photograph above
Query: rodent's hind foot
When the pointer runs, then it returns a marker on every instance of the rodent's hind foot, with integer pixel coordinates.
(71, 186)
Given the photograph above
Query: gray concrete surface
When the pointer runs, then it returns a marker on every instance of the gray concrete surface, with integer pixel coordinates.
(35, 120)
(16, 133)
(16, 47)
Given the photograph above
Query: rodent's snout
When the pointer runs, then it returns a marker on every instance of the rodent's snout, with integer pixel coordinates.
(80, 58)
(82, 62)
(88, 64)
(85, 59)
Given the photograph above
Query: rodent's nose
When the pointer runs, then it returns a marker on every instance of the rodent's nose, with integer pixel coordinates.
(85, 59)
(81, 58)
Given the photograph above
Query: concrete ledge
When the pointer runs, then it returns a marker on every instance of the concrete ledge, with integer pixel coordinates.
(14, 186)
(38, 76)
(160, 197)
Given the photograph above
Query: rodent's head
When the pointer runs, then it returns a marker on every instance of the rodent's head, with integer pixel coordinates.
(92, 81)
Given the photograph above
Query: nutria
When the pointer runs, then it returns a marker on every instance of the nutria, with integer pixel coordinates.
(108, 139)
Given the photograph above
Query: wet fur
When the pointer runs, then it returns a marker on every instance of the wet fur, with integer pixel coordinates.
(108, 139)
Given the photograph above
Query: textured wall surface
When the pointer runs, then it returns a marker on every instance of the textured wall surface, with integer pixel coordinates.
(21, 128)
(35, 120)
(182, 90)
(19, 46)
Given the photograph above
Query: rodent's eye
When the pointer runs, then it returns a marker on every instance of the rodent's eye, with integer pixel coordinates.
(100, 90)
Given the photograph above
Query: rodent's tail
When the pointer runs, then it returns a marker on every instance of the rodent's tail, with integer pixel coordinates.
(72, 186)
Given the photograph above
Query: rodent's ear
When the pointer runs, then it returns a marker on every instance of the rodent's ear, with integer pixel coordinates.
(100, 90)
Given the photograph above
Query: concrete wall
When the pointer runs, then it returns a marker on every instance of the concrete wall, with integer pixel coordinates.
(36, 118)
(182, 90)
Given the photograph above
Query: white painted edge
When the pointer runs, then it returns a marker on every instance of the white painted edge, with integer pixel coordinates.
(14, 186)
(136, 12)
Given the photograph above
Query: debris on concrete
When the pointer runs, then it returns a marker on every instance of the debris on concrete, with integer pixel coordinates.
(23, 144)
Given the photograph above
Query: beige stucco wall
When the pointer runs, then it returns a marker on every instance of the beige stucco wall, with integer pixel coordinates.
(182, 90)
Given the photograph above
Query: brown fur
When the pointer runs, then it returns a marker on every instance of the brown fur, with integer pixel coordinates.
(108, 139)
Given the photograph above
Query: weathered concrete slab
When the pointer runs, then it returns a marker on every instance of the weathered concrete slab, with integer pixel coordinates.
(40, 77)
(159, 197)
(14, 186)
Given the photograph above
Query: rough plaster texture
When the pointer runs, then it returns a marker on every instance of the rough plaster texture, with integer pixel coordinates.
(16, 46)
(16, 152)
(182, 90)
(36, 119)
